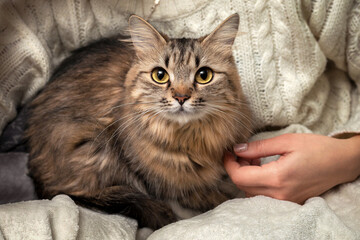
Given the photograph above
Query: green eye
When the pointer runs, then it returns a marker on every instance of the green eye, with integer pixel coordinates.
(204, 75)
(159, 75)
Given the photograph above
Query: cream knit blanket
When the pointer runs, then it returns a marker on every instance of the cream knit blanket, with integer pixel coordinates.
(299, 62)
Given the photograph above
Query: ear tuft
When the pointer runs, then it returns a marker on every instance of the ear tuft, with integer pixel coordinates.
(144, 36)
(225, 33)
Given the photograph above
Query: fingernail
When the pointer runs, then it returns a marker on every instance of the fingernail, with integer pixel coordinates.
(242, 147)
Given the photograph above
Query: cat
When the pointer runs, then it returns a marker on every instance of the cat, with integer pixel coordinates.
(128, 124)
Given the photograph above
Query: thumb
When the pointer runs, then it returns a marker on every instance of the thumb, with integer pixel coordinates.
(264, 148)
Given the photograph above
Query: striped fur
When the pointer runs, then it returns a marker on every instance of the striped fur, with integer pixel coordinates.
(108, 135)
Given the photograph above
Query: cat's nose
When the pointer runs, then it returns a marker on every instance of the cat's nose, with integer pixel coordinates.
(181, 98)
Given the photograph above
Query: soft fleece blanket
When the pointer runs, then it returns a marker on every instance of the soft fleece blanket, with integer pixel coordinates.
(299, 62)
(60, 218)
(253, 218)
(260, 217)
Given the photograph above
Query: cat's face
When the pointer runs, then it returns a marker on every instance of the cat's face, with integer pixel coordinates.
(184, 79)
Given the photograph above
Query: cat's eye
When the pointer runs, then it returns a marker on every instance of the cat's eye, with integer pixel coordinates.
(159, 75)
(204, 75)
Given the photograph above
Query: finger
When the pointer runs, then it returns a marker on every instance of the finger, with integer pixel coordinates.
(264, 148)
(230, 161)
(233, 163)
(245, 175)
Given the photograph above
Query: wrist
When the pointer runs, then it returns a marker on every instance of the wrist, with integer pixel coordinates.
(353, 149)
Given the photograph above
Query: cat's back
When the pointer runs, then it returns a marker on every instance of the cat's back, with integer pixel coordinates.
(76, 105)
(91, 77)
(107, 52)
(108, 58)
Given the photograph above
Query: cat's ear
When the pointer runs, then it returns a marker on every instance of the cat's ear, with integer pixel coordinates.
(145, 38)
(224, 35)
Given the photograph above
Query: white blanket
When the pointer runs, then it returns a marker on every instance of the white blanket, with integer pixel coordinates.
(61, 219)
(281, 54)
(333, 216)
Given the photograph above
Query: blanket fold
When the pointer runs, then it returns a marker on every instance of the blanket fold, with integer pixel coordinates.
(266, 218)
(61, 219)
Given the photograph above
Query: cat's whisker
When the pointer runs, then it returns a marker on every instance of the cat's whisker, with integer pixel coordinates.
(237, 119)
(127, 104)
(227, 105)
(139, 116)
(127, 140)
(108, 126)
(223, 123)
(121, 105)
(215, 108)
(130, 122)
(232, 124)
(120, 127)
(241, 116)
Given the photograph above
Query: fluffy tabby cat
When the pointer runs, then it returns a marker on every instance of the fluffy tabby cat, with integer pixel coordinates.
(126, 126)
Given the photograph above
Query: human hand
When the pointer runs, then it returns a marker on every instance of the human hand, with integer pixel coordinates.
(308, 166)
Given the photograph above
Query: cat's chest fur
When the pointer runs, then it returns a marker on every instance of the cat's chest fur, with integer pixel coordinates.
(182, 157)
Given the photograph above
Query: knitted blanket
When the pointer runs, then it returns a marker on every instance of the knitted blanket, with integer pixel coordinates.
(299, 63)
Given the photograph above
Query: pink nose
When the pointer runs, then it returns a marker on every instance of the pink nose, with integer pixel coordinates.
(181, 98)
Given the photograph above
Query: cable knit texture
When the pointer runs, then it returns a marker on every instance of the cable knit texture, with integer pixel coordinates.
(299, 61)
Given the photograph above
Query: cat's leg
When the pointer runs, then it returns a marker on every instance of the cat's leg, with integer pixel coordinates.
(132, 203)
